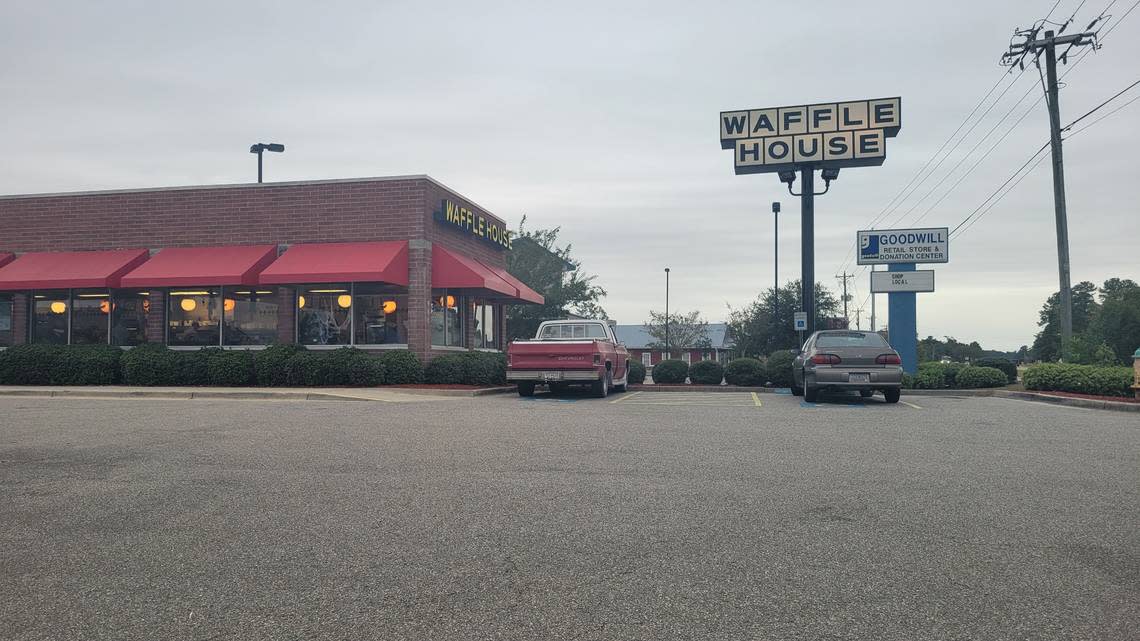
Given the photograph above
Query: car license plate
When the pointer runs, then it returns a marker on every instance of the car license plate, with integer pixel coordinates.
(552, 376)
(858, 378)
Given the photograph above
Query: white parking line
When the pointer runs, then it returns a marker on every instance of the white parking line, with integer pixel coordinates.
(910, 405)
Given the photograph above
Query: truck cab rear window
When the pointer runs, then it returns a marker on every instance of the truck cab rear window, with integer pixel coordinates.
(572, 331)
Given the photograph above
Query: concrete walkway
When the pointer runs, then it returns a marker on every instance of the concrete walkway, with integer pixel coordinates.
(375, 394)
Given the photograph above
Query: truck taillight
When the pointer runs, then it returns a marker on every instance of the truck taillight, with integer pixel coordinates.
(597, 359)
(825, 359)
(888, 359)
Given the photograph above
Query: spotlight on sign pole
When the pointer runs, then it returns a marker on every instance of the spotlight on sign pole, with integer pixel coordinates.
(831, 173)
(788, 177)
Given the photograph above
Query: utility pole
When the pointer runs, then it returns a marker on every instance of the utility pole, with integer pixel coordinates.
(845, 276)
(666, 312)
(776, 266)
(859, 318)
(1018, 52)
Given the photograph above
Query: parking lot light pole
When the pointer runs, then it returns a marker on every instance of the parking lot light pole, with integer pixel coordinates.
(666, 312)
(776, 264)
(261, 148)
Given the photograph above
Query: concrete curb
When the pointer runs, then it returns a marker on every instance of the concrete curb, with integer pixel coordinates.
(1068, 401)
(706, 388)
(242, 394)
(482, 391)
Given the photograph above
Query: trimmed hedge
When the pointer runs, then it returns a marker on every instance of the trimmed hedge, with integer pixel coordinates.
(1081, 379)
(467, 368)
(1005, 365)
(670, 372)
(706, 373)
(948, 372)
(636, 373)
(151, 365)
(60, 365)
(745, 372)
(926, 378)
(974, 377)
(779, 367)
(401, 367)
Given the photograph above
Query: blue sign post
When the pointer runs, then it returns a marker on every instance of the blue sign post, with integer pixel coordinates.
(903, 328)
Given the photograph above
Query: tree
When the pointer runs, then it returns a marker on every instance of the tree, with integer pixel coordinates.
(757, 332)
(686, 330)
(1047, 343)
(1116, 325)
(537, 260)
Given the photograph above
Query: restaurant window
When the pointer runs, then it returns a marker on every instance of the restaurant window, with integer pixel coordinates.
(446, 318)
(324, 315)
(380, 315)
(90, 316)
(250, 316)
(193, 316)
(5, 320)
(49, 317)
(129, 310)
(484, 317)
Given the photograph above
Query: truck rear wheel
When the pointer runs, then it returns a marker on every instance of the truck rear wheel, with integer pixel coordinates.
(526, 389)
(601, 388)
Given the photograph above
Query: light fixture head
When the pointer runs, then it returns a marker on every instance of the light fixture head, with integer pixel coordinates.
(788, 177)
(831, 173)
(775, 207)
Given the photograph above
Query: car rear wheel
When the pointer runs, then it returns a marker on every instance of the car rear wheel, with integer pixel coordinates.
(601, 388)
(892, 395)
(526, 389)
(810, 393)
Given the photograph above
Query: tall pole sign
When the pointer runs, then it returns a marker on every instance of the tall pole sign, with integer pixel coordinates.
(804, 138)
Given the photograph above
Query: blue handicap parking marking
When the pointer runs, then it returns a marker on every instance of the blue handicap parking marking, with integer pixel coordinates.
(784, 390)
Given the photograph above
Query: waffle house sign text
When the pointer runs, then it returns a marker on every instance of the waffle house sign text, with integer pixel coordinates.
(834, 134)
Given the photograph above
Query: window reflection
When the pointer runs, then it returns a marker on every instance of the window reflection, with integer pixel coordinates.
(446, 318)
(193, 316)
(129, 310)
(90, 316)
(324, 315)
(381, 315)
(250, 316)
(49, 317)
(5, 320)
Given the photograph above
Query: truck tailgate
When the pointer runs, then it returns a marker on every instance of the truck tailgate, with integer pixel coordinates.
(553, 354)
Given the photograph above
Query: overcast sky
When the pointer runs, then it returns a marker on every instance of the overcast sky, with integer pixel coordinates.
(600, 118)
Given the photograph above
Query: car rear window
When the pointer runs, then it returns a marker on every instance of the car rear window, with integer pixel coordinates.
(850, 339)
(573, 330)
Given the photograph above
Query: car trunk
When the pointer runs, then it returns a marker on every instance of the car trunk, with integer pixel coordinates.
(856, 356)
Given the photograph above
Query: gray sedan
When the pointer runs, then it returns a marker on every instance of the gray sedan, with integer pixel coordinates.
(847, 360)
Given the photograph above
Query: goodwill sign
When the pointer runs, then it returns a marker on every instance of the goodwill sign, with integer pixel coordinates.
(884, 246)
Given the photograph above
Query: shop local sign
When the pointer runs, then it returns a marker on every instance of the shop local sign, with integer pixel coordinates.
(827, 135)
(490, 230)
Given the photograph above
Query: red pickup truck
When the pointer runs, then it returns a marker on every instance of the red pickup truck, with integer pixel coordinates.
(569, 352)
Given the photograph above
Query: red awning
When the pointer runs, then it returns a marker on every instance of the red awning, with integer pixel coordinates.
(189, 266)
(525, 293)
(384, 262)
(63, 270)
(6, 258)
(455, 271)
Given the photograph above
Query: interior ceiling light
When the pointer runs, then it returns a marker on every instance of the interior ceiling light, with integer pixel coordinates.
(58, 307)
(389, 307)
(344, 300)
(188, 304)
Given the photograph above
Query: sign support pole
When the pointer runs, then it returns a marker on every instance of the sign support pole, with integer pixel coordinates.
(903, 323)
(807, 245)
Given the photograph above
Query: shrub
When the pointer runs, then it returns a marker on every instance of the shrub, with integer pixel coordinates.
(636, 373)
(929, 378)
(401, 367)
(305, 369)
(229, 368)
(973, 377)
(670, 372)
(60, 365)
(149, 365)
(1081, 379)
(271, 365)
(908, 381)
(194, 366)
(706, 373)
(467, 368)
(779, 367)
(745, 372)
(948, 372)
(1002, 364)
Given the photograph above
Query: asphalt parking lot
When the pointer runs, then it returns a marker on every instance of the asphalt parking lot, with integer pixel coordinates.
(638, 516)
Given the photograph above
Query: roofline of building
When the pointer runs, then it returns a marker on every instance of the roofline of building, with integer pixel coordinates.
(291, 183)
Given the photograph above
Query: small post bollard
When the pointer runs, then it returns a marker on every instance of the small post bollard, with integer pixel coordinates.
(1136, 372)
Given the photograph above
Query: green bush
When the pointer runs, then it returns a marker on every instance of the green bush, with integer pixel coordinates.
(974, 377)
(467, 368)
(1081, 379)
(150, 365)
(271, 365)
(670, 372)
(706, 373)
(908, 381)
(779, 367)
(928, 378)
(60, 365)
(1002, 364)
(401, 367)
(229, 368)
(745, 372)
(636, 373)
(948, 372)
